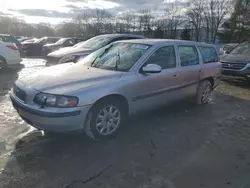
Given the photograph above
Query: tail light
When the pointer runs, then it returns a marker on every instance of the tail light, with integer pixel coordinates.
(12, 47)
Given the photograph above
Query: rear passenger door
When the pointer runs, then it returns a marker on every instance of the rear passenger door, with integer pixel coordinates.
(189, 70)
(211, 67)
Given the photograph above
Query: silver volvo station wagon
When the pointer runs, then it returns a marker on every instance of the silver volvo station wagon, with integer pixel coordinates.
(97, 94)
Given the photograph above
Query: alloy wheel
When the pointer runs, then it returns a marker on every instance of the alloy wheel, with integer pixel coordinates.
(108, 120)
(206, 94)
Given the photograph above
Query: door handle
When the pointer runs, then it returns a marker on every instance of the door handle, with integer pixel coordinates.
(175, 75)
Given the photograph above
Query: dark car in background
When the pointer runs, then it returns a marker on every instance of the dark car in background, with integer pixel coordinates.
(237, 62)
(82, 49)
(35, 48)
(11, 39)
(64, 42)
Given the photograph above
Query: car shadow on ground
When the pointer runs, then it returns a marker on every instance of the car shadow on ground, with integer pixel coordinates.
(154, 149)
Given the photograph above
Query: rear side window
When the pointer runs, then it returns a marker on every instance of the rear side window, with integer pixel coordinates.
(208, 54)
(188, 56)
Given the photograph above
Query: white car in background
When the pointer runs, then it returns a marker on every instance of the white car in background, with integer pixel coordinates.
(9, 56)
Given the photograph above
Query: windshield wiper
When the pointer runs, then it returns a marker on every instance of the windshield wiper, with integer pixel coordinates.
(117, 59)
(100, 55)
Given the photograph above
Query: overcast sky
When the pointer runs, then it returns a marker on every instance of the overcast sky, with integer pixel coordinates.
(56, 11)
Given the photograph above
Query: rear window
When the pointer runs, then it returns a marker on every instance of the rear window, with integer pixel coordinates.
(208, 54)
(9, 39)
(52, 40)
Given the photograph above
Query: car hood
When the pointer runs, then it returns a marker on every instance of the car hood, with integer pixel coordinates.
(69, 50)
(236, 58)
(69, 77)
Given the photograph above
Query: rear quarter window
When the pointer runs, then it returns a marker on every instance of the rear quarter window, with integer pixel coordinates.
(209, 54)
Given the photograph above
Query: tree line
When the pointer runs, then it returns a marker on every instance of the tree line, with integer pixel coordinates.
(199, 20)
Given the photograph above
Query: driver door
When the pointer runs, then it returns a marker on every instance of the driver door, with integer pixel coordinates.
(156, 89)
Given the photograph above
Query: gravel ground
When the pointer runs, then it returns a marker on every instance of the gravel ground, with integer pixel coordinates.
(180, 146)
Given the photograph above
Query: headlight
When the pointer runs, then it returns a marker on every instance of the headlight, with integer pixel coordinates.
(66, 59)
(59, 101)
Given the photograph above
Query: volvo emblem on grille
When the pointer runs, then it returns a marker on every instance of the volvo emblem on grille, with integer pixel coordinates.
(229, 65)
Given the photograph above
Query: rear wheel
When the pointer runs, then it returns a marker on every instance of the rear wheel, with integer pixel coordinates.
(2, 63)
(204, 92)
(104, 119)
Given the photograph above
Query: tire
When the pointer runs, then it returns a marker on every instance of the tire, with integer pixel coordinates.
(204, 92)
(2, 63)
(105, 119)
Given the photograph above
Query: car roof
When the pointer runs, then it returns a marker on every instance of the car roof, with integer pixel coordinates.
(4, 34)
(167, 42)
(123, 35)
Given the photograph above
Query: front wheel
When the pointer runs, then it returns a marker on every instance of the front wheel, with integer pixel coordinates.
(104, 119)
(204, 92)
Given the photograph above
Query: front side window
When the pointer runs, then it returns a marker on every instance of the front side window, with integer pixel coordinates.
(208, 54)
(164, 57)
(188, 56)
(119, 56)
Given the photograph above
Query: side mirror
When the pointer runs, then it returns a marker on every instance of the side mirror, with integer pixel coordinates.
(221, 52)
(151, 68)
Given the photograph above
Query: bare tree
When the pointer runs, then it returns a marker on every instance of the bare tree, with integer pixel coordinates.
(173, 19)
(195, 15)
(100, 18)
(145, 19)
(128, 22)
(215, 12)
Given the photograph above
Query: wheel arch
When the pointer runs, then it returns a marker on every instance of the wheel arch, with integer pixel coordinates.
(4, 61)
(118, 97)
(210, 79)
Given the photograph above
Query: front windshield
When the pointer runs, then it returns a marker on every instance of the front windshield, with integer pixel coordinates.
(61, 41)
(78, 44)
(40, 40)
(96, 42)
(120, 56)
(242, 49)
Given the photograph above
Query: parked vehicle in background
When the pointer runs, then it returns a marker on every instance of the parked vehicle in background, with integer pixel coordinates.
(237, 62)
(34, 48)
(9, 56)
(97, 94)
(227, 48)
(64, 42)
(73, 54)
(24, 39)
(32, 40)
(11, 39)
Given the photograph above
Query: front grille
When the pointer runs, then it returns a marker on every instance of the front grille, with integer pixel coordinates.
(233, 66)
(19, 93)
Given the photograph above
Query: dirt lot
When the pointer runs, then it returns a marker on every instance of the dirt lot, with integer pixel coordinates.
(181, 146)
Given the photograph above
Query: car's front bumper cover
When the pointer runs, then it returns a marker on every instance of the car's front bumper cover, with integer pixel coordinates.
(52, 121)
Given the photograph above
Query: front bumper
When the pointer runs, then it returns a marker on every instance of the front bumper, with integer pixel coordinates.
(42, 119)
